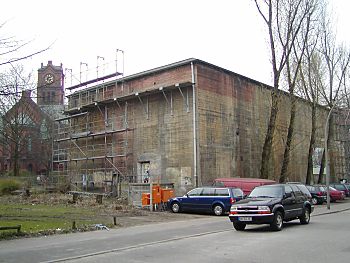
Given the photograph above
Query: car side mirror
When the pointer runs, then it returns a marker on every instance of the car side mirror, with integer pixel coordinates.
(287, 195)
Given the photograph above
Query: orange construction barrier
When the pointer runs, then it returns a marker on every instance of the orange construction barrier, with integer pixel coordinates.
(166, 194)
(145, 199)
(159, 195)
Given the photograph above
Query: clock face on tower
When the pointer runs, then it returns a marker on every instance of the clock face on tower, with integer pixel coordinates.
(49, 79)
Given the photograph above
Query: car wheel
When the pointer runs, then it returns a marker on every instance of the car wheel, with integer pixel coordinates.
(239, 226)
(175, 207)
(314, 201)
(305, 218)
(277, 223)
(218, 210)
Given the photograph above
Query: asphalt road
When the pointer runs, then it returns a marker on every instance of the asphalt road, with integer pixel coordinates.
(208, 239)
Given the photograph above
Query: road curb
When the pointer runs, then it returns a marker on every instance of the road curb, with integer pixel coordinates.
(331, 212)
(336, 208)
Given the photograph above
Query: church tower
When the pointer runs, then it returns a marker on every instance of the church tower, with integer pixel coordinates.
(50, 89)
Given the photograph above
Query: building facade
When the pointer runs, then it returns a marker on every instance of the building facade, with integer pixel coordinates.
(185, 123)
(27, 127)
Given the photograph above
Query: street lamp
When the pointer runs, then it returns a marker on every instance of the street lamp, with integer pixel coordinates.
(326, 155)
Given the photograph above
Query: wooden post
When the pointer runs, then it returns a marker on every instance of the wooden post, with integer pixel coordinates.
(75, 198)
(99, 199)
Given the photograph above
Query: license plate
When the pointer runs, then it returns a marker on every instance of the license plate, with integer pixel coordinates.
(245, 218)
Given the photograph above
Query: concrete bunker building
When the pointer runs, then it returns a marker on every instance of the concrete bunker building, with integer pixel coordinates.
(186, 123)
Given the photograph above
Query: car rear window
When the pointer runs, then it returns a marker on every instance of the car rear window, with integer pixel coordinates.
(304, 189)
(221, 192)
(296, 190)
(208, 192)
(339, 187)
(237, 192)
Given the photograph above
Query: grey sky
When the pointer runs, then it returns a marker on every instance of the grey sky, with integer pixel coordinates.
(152, 33)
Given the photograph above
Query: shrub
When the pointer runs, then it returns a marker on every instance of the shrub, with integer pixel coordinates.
(9, 185)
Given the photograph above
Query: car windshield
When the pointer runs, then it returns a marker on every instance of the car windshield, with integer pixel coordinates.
(266, 192)
(333, 189)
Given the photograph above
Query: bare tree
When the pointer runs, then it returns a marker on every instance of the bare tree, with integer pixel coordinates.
(10, 47)
(336, 59)
(309, 87)
(15, 124)
(284, 20)
(310, 11)
(15, 120)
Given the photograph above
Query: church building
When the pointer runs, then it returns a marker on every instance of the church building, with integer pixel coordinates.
(26, 139)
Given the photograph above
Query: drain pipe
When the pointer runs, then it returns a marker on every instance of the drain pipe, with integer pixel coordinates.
(195, 168)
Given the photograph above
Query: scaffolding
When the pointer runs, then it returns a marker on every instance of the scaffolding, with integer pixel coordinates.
(92, 146)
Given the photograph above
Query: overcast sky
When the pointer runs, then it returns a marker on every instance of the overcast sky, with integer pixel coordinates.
(152, 33)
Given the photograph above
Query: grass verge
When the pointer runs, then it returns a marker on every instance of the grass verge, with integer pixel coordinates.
(57, 216)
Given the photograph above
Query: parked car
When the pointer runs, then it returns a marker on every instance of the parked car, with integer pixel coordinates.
(318, 193)
(215, 200)
(335, 194)
(347, 185)
(246, 184)
(341, 187)
(271, 204)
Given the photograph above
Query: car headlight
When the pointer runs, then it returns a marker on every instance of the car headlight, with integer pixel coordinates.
(264, 209)
(234, 208)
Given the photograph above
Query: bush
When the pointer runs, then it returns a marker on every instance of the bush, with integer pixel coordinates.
(8, 185)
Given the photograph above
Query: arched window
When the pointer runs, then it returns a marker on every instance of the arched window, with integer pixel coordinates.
(29, 144)
(43, 130)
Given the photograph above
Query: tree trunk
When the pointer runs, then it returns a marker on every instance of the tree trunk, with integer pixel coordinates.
(309, 174)
(16, 160)
(267, 148)
(320, 173)
(290, 134)
(323, 162)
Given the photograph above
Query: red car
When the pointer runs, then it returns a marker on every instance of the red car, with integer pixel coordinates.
(335, 194)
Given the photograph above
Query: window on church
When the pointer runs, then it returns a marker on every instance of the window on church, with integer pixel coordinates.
(53, 96)
(43, 130)
(29, 144)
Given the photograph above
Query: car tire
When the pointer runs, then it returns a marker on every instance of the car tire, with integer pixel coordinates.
(305, 218)
(277, 223)
(218, 210)
(239, 226)
(175, 207)
(314, 201)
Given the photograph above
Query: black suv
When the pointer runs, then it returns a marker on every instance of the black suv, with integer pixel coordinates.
(272, 204)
